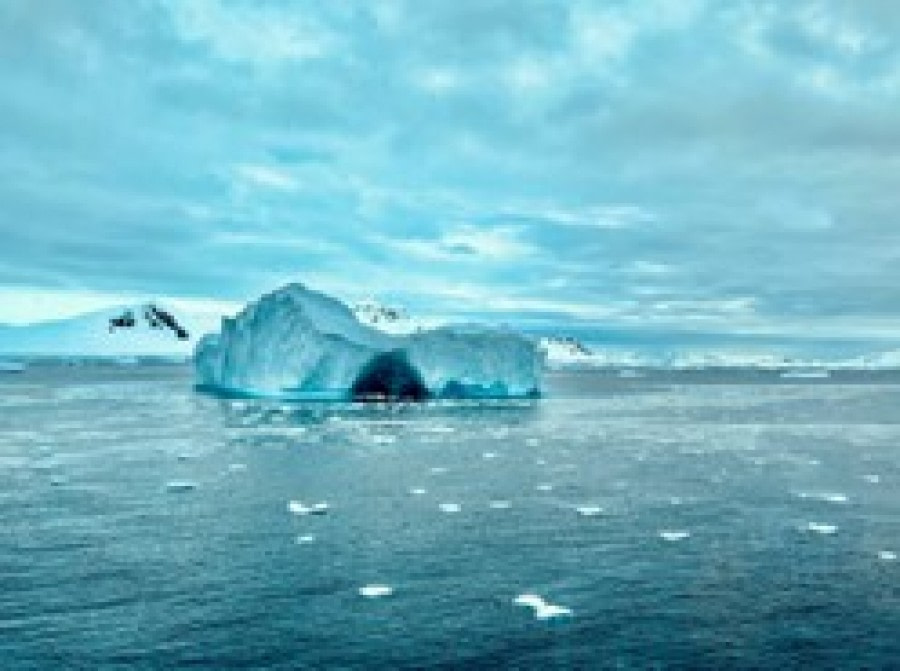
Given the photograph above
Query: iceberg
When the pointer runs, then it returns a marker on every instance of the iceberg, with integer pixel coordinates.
(298, 343)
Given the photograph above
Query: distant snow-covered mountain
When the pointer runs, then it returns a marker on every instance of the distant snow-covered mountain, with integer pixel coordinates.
(90, 335)
(565, 351)
(389, 319)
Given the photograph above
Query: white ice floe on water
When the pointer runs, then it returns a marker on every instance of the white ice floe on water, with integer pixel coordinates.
(489, 455)
(542, 609)
(499, 505)
(450, 507)
(300, 508)
(887, 555)
(819, 528)
(235, 468)
(872, 478)
(180, 485)
(438, 470)
(383, 440)
(589, 511)
(544, 487)
(675, 500)
(540, 462)
(418, 491)
(305, 539)
(827, 497)
(674, 536)
(375, 591)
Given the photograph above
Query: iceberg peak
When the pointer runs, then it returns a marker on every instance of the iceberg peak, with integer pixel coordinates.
(297, 342)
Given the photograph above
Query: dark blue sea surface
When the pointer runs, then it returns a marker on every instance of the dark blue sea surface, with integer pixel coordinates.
(686, 521)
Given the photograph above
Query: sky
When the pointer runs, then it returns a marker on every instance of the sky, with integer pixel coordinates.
(654, 171)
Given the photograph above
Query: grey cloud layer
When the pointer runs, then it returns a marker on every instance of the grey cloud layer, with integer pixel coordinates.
(729, 164)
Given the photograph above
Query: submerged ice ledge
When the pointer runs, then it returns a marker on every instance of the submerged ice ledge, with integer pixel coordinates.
(301, 344)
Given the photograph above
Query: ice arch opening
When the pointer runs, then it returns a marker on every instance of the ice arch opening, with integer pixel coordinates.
(389, 375)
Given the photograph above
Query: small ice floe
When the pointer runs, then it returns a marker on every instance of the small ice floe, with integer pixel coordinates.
(817, 528)
(234, 468)
(540, 462)
(544, 487)
(542, 609)
(180, 486)
(450, 507)
(383, 440)
(57, 480)
(306, 539)
(589, 511)
(300, 508)
(375, 591)
(674, 536)
(489, 455)
(499, 505)
(828, 497)
(675, 500)
(872, 478)
(532, 442)
(437, 470)
(418, 491)
(887, 555)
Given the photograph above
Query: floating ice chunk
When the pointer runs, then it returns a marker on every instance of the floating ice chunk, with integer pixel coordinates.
(450, 507)
(180, 485)
(540, 462)
(489, 455)
(816, 527)
(418, 491)
(828, 497)
(375, 591)
(300, 508)
(887, 555)
(872, 478)
(438, 470)
(675, 500)
(499, 505)
(297, 507)
(589, 511)
(674, 536)
(532, 442)
(384, 440)
(234, 468)
(542, 609)
(544, 487)
(306, 539)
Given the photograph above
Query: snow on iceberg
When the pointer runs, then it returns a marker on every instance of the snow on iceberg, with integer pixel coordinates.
(295, 342)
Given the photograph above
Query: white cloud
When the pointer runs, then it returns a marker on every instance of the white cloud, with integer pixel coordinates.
(257, 34)
(266, 176)
(493, 244)
(601, 35)
(438, 80)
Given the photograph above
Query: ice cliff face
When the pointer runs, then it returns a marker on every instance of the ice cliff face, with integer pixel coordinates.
(298, 342)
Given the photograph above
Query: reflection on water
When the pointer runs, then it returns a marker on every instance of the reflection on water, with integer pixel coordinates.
(617, 523)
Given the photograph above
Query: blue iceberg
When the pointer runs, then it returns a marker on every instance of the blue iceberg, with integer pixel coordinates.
(299, 343)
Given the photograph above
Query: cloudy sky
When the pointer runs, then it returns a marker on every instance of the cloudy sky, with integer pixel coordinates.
(659, 169)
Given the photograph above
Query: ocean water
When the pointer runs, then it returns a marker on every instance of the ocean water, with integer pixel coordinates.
(670, 521)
